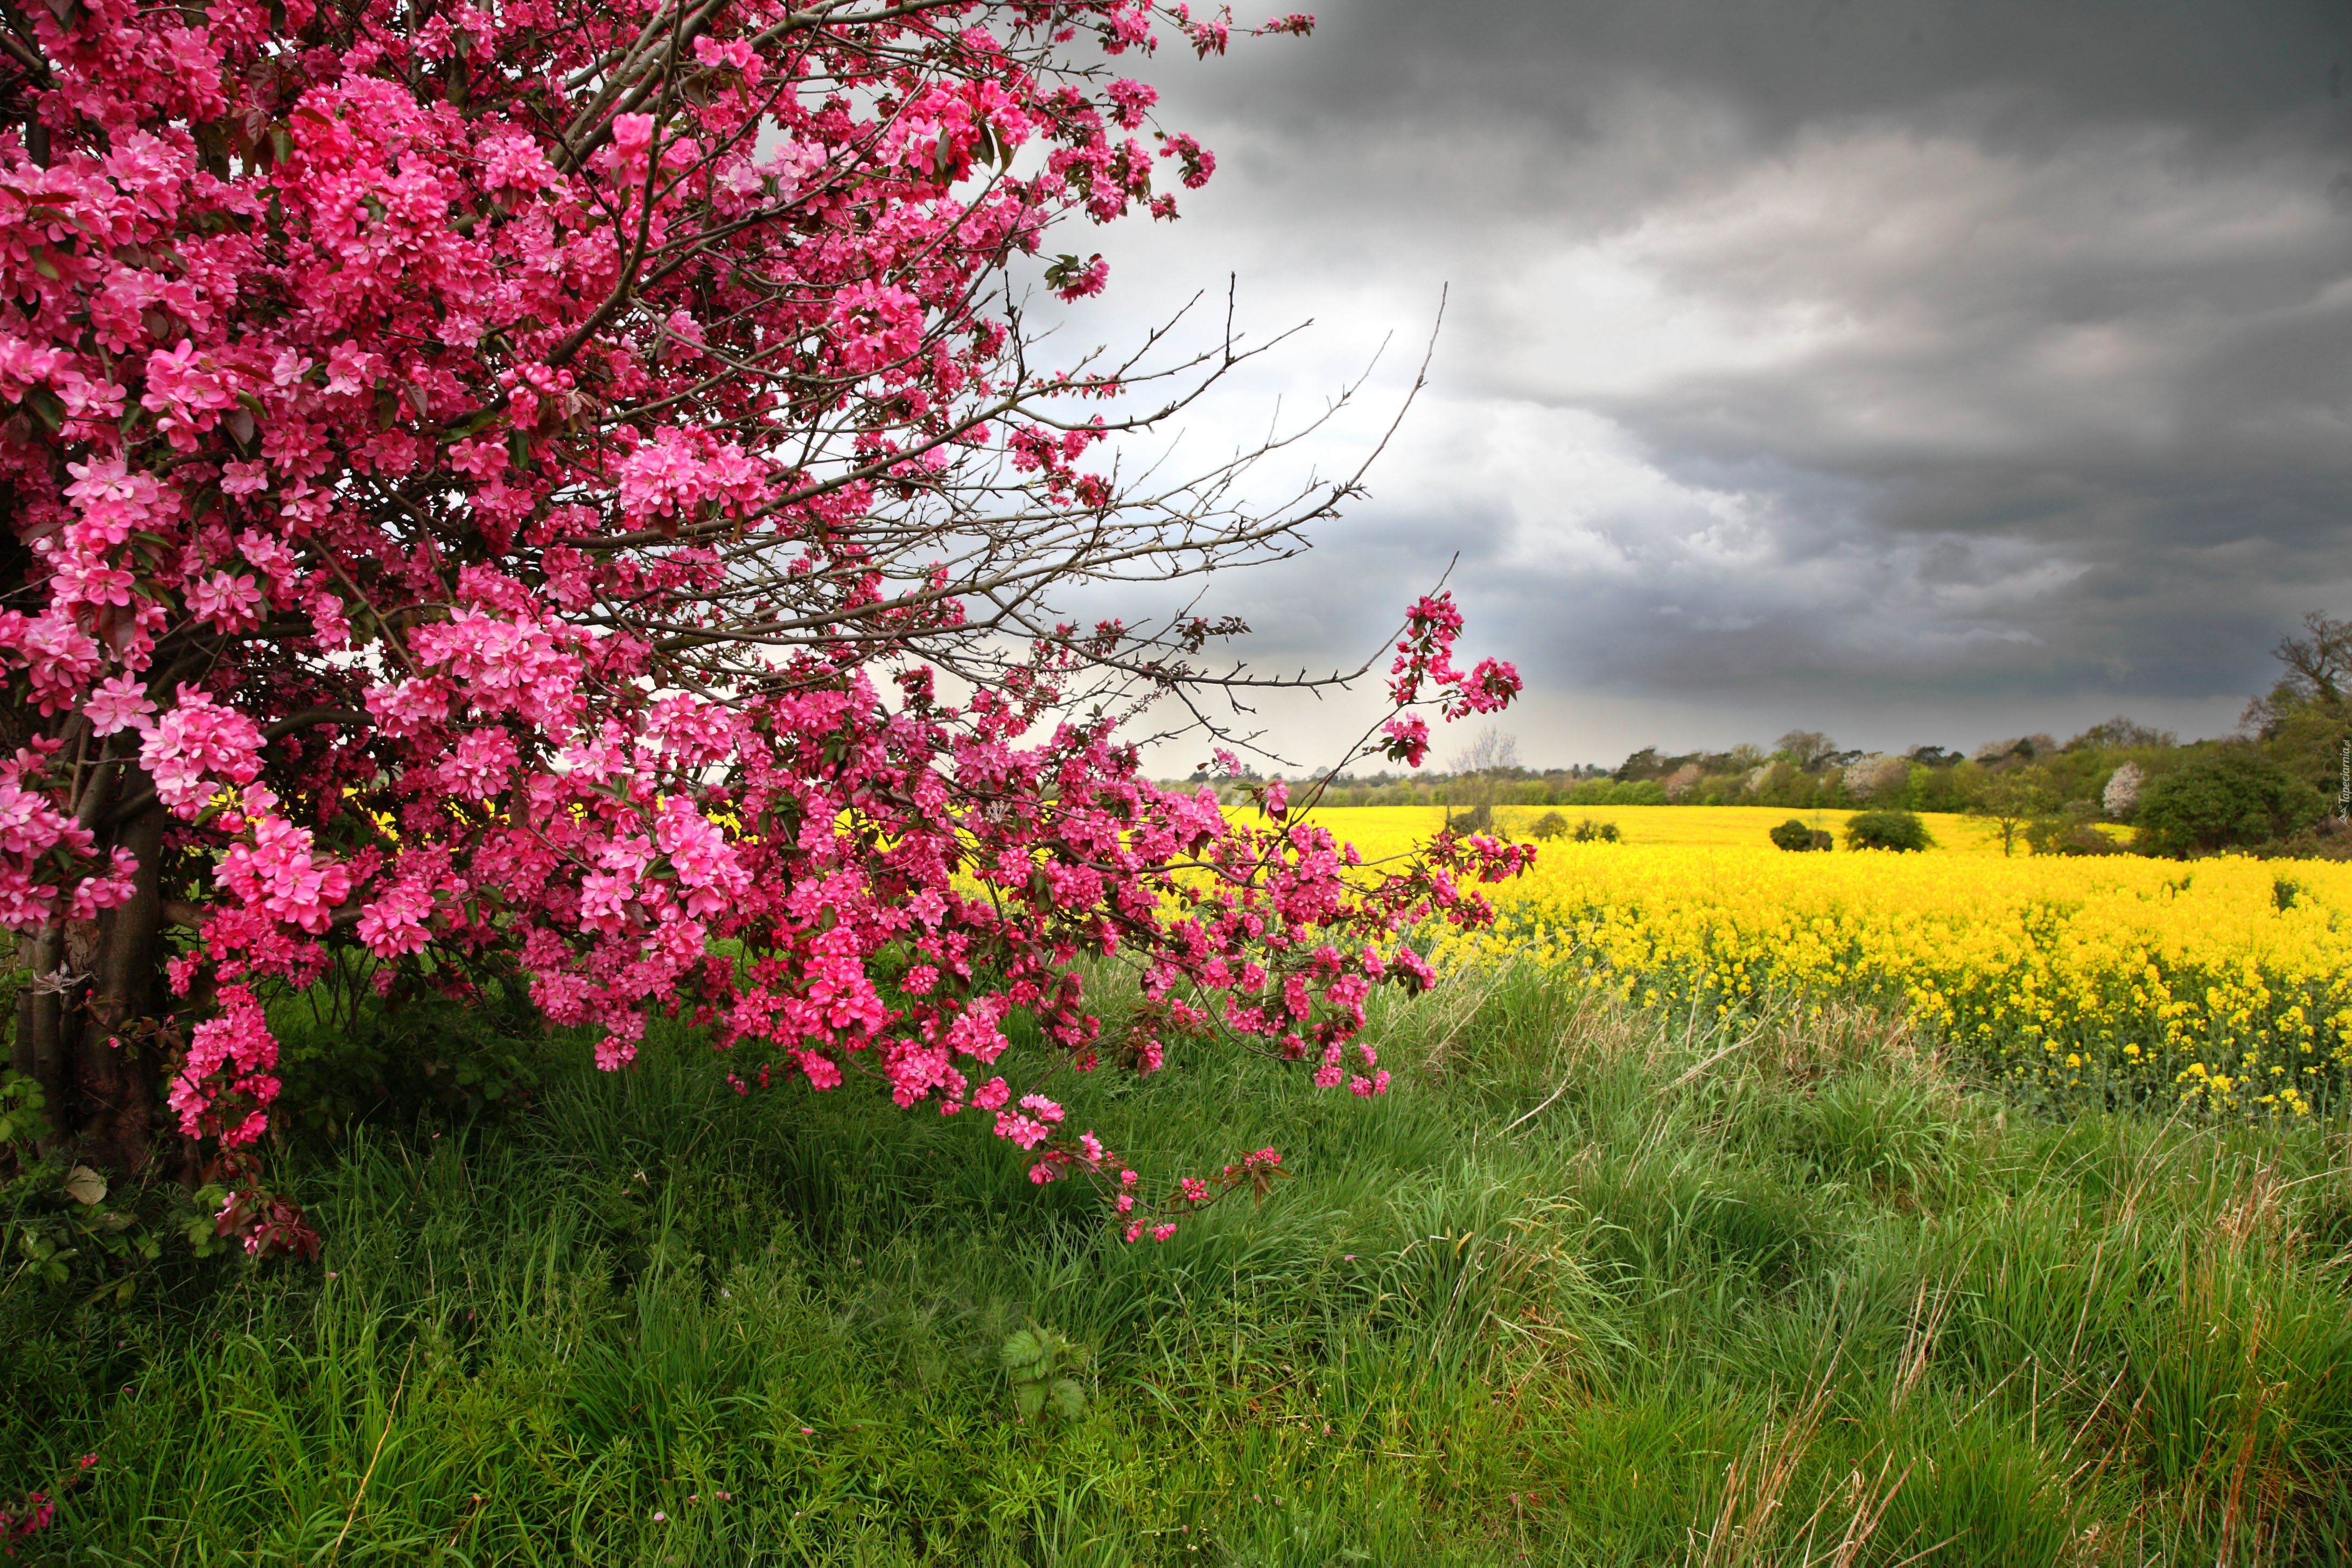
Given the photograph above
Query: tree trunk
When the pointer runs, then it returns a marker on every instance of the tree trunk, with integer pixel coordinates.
(115, 1067)
(88, 1005)
(40, 1008)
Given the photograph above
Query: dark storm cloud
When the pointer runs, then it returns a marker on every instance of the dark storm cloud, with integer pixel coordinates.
(2230, 69)
(1821, 362)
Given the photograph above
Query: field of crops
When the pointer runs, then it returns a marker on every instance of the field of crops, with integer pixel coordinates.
(2223, 983)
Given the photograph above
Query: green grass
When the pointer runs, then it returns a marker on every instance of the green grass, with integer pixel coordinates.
(1588, 1287)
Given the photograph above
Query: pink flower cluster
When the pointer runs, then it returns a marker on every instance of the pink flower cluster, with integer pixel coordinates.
(481, 551)
(197, 749)
(1424, 657)
(228, 1067)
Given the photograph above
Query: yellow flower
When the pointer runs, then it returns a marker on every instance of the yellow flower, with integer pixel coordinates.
(2075, 956)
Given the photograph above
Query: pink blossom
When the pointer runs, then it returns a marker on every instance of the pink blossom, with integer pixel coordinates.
(229, 1055)
(229, 604)
(109, 889)
(196, 748)
(1025, 1131)
(394, 924)
(279, 874)
(24, 903)
(118, 703)
(480, 763)
(1408, 739)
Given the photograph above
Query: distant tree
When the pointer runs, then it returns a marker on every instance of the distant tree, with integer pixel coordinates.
(2122, 731)
(2318, 664)
(1481, 770)
(2225, 797)
(1877, 775)
(2010, 798)
(2019, 748)
(1590, 832)
(1887, 830)
(1644, 764)
(2305, 723)
(1679, 783)
(1549, 825)
(1946, 788)
(1936, 757)
(1769, 781)
(2121, 798)
(1610, 792)
(1809, 749)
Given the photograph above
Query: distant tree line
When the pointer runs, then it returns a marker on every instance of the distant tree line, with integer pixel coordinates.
(2279, 786)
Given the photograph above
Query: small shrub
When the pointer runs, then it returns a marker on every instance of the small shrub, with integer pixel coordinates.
(1588, 831)
(83, 1241)
(2072, 832)
(2329, 839)
(1900, 830)
(457, 1059)
(1042, 1364)
(1549, 825)
(1798, 838)
(1479, 819)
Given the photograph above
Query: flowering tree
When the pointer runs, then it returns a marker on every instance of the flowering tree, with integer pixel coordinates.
(559, 494)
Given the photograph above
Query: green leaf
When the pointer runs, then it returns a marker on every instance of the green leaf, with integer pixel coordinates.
(1023, 1350)
(84, 1186)
(1069, 1399)
(471, 423)
(1029, 1399)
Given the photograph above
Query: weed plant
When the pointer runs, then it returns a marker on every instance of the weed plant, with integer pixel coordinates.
(1592, 1285)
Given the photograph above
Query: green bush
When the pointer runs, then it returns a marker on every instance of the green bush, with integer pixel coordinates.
(1550, 824)
(2229, 797)
(1887, 830)
(1590, 832)
(1798, 838)
(2073, 831)
(454, 1058)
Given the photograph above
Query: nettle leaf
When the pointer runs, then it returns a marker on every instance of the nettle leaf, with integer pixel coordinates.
(1069, 1399)
(1029, 1399)
(1024, 1350)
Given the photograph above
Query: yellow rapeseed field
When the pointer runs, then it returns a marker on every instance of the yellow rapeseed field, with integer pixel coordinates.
(2226, 983)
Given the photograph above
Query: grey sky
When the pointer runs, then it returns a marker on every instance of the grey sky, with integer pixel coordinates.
(1920, 372)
